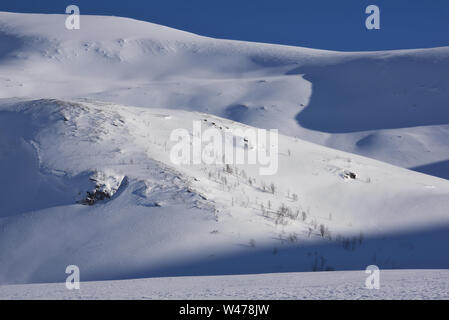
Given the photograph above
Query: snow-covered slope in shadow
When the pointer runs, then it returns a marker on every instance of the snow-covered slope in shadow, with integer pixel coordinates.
(378, 91)
(25, 186)
(9, 44)
(110, 201)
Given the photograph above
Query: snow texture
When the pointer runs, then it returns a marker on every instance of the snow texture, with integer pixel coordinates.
(394, 284)
(86, 176)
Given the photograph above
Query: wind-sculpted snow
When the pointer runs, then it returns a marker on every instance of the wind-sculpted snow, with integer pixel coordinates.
(92, 183)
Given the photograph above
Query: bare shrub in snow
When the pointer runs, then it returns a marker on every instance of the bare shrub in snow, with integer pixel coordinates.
(292, 237)
(322, 230)
(272, 188)
(303, 216)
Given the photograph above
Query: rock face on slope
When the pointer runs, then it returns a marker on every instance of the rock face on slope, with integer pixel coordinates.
(106, 185)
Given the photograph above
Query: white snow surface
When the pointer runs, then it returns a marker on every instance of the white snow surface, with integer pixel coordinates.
(92, 110)
(394, 284)
(165, 219)
(387, 105)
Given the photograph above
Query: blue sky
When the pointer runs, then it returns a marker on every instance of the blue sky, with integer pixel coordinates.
(324, 24)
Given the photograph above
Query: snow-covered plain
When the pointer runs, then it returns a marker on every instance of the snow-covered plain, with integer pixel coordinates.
(94, 108)
(394, 284)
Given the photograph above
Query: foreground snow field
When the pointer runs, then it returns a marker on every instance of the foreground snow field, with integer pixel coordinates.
(87, 179)
(395, 284)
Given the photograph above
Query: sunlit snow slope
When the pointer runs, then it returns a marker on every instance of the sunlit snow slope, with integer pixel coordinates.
(391, 106)
(86, 175)
(163, 219)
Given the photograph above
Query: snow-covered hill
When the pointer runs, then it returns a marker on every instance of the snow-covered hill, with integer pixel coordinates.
(149, 217)
(87, 179)
(391, 105)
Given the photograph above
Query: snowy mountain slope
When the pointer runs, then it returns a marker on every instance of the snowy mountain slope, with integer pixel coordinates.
(390, 105)
(150, 217)
(394, 284)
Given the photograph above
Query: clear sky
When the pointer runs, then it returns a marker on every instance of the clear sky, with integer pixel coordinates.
(324, 24)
